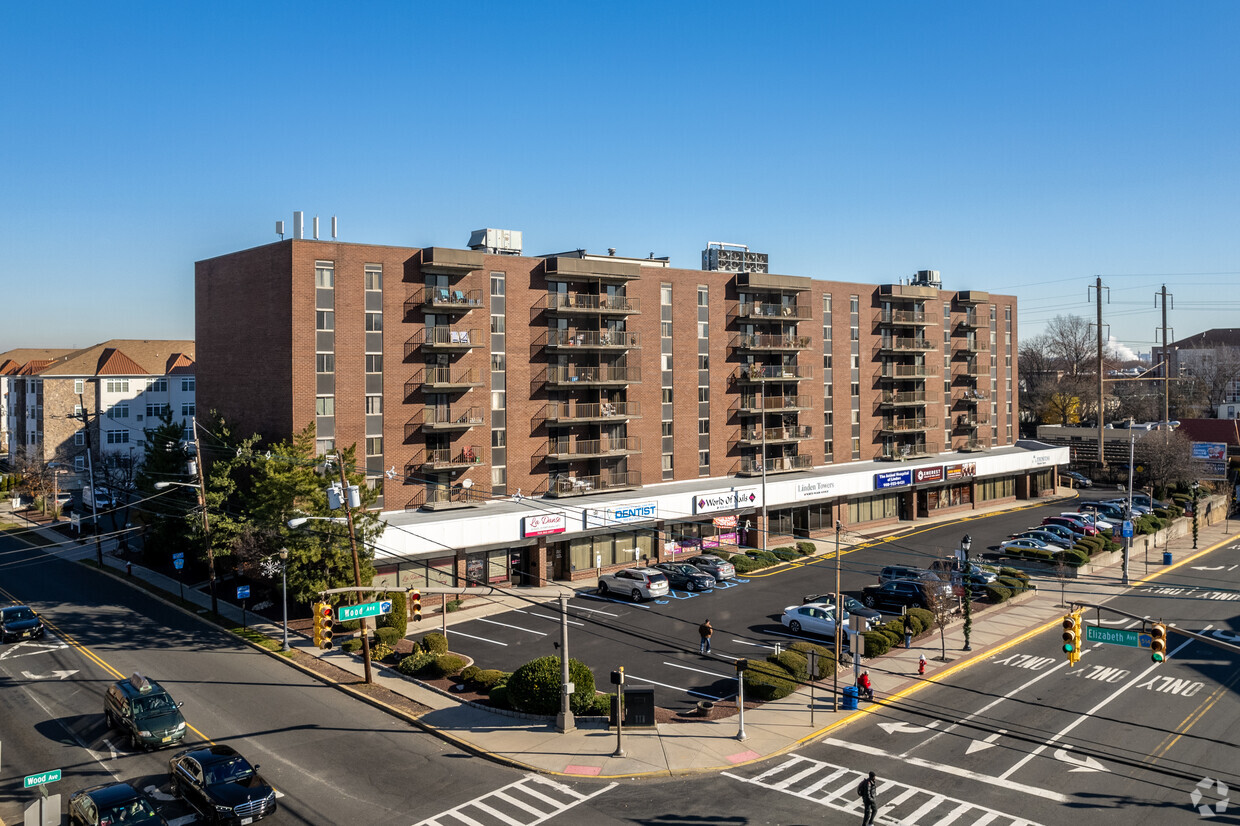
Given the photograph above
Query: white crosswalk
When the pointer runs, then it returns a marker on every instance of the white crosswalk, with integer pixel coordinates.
(527, 802)
(836, 787)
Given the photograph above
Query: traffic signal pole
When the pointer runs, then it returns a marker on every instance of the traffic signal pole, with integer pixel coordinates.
(357, 566)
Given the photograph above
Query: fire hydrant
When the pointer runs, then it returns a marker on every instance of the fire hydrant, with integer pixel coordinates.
(921, 664)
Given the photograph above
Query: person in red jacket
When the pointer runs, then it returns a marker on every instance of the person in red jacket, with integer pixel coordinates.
(865, 690)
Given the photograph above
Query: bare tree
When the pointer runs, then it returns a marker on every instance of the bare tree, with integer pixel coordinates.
(1165, 458)
(1138, 400)
(1038, 377)
(942, 605)
(1072, 344)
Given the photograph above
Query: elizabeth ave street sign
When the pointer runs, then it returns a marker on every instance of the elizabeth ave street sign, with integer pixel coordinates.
(1115, 636)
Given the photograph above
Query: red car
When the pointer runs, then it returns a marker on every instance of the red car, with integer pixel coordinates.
(1077, 526)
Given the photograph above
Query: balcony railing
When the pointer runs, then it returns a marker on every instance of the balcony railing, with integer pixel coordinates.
(788, 433)
(905, 371)
(909, 425)
(762, 341)
(445, 458)
(772, 372)
(777, 464)
(442, 378)
(975, 368)
(592, 339)
(444, 418)
(599, 304)
(593, 375)
(771, 310)
(573, 412)
(967, 421)
(900, 398)
(564, 485)
(972, 320)
(445, 299)
(443, 497)
(974, 446)
(752, 403)
(903, 344)
(570, 449)
(900, 453)
(974, 397)
(442, 338)
(903, 317)
(974, 344)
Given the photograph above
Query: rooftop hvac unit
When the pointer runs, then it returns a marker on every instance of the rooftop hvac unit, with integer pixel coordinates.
(928, 278)
(719, 258)
(496, 241)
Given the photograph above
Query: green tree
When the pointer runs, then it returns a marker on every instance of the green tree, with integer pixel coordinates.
(168, 513)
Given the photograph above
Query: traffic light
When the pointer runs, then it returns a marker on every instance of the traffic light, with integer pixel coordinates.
(415, 600)
(318, 623)
(1158, 642)
(1072, 637)
(324, 616)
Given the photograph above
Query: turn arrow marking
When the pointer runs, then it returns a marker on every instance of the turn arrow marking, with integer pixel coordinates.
(1079, 764)
(60, 675)
(907, 728)
(979, 745)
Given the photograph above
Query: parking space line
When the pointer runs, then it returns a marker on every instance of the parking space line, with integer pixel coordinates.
(593, 610)
(481, 639)
(557, 619)
(616, 601)
(515, 627)
(673, 687)
(698, 670)
(754, 644)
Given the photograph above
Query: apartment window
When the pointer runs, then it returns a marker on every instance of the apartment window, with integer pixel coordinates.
(497, 324)
(187, 385)
(325, 362)
(77, 411)
(665, 295)
(118, 411)
(704, 460)
(703, 427)
(667, 363)
(188, 409)
(79, 438)
(703, 361)
(374, 405)
(116, 385)
(322, 447)
(79, 386)
(154, 411)
(703, 329)
(374, 322)
(325, 406)
(373, 276)
(665, 360)
(499, 400)
(79, 463)
(157, 385)
(325, 275)
(499, 438)
(118, 437)
(497, 283)
(667, 395)
(499, 362)
(374, 363)
(374, 445)
(499, 380)
(703, 296)
(324, 320)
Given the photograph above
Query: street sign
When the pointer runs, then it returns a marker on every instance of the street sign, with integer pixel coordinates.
(243, 592)
(178, 564)
(1126, 529)
(367, 609)
(39, 779)
(1117, 636)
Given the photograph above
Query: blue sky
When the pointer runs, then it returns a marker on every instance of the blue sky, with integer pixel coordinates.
(1016, 147)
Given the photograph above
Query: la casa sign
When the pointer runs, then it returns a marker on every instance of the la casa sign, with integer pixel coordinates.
(543, 524)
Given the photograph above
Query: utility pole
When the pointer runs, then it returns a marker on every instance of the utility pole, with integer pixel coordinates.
(839, 614)
(357, 566)
(1166, 359)
(1132, 447)
(564, 722)
(206, 522)
(1102, 459)
(90, 479)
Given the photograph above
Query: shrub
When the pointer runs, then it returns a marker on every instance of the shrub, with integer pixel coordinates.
(924, 617)
(826, 657)
(387, 636)
(351, 645)
(783, 549)
(1023, 576)
(794, 662)
(470, 674)
(381, 651)
(766, 681)
(414, 663)
(399, 618)
(785, 554)
(765, 559)
(488, 678)
(997, 593)
(499, 696)
(876, 643)
(1074, 557)
(349, 625)
(435, 643)
(1011, 583)
(444, 665)
(536, 687)
(805, 548)
(601, 707)
(744, 564)
(454, 605)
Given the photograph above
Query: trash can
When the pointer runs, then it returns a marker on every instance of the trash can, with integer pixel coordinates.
(849, 703)
(1166, 557)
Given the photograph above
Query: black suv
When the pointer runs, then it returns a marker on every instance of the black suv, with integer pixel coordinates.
(144, 711)
(221, 784)
(893, 596)
(894, 572)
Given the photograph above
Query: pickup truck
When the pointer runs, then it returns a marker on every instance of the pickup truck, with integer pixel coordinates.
(638, 583)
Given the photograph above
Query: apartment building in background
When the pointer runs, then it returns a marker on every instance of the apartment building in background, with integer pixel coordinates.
(580, 390)
(59, 402)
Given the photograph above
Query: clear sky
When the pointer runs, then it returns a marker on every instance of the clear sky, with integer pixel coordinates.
(1016, 147)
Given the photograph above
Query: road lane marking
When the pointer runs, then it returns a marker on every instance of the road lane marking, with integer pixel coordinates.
(1192, 719)
(456, 633)
(514, 627)
(632, 677)
(701, 671)
(1087, 715)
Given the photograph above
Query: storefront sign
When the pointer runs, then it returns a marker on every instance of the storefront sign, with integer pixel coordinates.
(719, 540)
(814, 489)
(893, 479)
(928, 474)
(724, 521)
(965, 470)
(640, 512)
(728, 501)
(543, 524)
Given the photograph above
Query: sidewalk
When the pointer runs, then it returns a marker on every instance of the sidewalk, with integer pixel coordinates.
(683, 748)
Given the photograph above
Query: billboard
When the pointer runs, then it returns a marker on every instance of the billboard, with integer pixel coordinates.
(964, 470)
(1210, 451)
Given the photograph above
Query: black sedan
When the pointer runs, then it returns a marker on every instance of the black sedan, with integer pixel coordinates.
(18, 621)
(221, 785)
(893, 596)
(688, 577)
(850, 605)
(110, 804)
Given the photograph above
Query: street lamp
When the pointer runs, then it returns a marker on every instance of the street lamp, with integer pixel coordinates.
(966, 543)
(284, 591)
(206, 534)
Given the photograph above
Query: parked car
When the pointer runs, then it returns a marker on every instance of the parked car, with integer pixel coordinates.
(1122, 503)
(1066, 536)
(144, 711)
(1098, 522)
(851, 606)
(683, 575)
(893, 572)
(720, 569)
(1044, 536)
(64, 498)
(1072, 522)
(1080, 480)
(817, 618)
(112, 804)
(221, 785)
(639, 583)
(18, 622)
(97, 498)
(893, 596)
(1147, 501)
(1027, 544)
(1106, 510)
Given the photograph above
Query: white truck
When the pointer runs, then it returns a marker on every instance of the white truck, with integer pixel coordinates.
(96, 498)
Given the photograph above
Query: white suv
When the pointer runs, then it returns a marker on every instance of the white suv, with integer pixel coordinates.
(639, 583)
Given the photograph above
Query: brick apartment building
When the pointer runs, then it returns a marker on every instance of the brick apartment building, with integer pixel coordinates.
(500, 399)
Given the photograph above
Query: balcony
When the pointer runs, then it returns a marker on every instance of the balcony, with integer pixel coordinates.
(569, 303)
(974, 397)
(902, 453)
(567, 450)
(752, 466)
(447, 459)
(443, 340)
(758, 373)
(444, 497)
(751, 436)
(972, 321)
(907, 425)
(909, 317)
(445, 300)
(902, 398)
(574, 413)
(974, 446)
(974, 368)
(439, 379)
(751, 403)
(973, 344)
(971, 421)
(589, 340)
(592, 376)
(770, 343)
(905, 371)
(563, 485)
(451, 262)
(773, 310)
(901, 344)
(564, 268)
(444, 419)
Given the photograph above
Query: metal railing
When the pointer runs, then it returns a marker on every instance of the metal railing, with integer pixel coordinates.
(575, 411)
(563, 485)
(581, 448)
(593, 338)
(772, 372)
(764, 341)
(570, 302)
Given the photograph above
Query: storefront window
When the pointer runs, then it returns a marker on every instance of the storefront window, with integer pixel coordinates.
(996, 488)
(872, 508)
(949, 497)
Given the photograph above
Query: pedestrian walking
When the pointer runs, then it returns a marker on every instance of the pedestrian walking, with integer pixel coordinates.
(908, 631)
(921, 665)
(868, 792)
(704, 631)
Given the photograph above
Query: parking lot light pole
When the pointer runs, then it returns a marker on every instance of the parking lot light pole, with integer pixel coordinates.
(741, 666)
(835, 677)
(284, 591)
